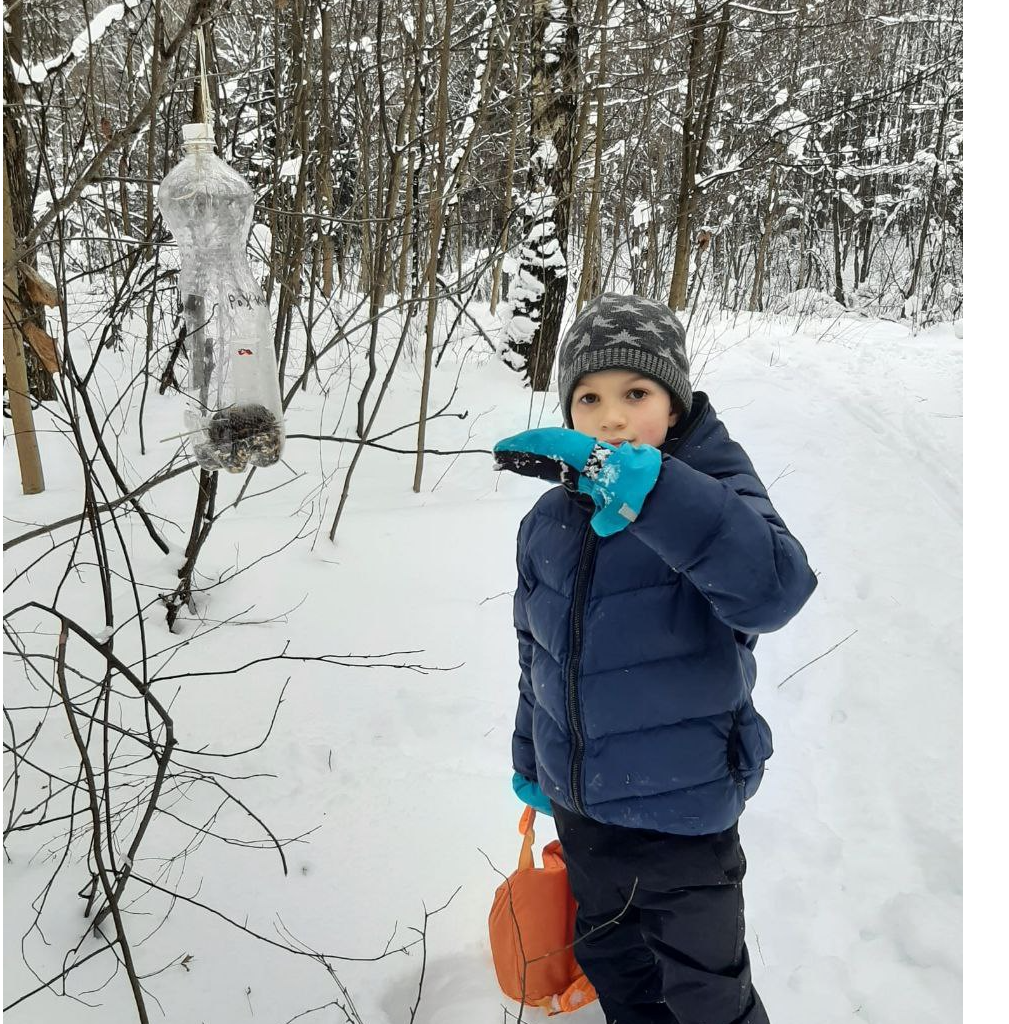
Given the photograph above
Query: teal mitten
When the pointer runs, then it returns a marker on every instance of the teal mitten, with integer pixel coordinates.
(529, 792)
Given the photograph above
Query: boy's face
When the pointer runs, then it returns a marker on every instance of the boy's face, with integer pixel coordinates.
(622, 405)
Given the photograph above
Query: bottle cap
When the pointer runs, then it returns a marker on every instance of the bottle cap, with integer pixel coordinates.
(199, 134)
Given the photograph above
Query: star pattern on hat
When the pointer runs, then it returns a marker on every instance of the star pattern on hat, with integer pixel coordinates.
(628, 307)
(652, 328)
(578, 341)
(624, 338)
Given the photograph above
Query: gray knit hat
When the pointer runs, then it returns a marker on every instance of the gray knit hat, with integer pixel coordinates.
(625, 332)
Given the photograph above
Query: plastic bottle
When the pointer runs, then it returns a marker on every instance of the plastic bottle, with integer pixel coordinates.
(234, 414)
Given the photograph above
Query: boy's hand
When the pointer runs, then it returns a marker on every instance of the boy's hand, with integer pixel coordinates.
(529, 793)
(616, 479)
(553, 454)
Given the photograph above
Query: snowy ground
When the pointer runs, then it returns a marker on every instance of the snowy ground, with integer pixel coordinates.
(853, 843)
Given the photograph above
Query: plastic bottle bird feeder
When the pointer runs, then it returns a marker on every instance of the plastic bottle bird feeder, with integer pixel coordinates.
(234, 414)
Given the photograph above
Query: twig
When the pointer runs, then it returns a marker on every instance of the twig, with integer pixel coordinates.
(817, 658)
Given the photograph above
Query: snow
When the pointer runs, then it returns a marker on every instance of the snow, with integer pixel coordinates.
(795, 125)
(291, 168)
(853, 842)
(545, 156)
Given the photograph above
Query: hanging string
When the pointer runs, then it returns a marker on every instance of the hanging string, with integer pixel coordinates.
(208, 113)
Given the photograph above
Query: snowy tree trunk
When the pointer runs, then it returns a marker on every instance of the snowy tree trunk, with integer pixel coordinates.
(538, 292)
(767, 232)
(509, 178)
(324, 192)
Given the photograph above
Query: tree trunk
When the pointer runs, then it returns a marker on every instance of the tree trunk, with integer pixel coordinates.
(757, 294)
(589, 285)
(542, 286)
(435, 217)
(15, 370)
(509, 171)
(698, 117)
(18, 192)
(324, 163)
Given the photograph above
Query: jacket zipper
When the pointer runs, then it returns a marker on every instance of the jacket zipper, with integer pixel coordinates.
(585, 561)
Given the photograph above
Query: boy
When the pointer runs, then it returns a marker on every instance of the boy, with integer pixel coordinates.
(642, 585)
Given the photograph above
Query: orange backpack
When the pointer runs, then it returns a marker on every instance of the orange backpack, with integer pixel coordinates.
(532, 928)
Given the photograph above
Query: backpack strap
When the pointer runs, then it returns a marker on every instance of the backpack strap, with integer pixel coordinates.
(526, 823)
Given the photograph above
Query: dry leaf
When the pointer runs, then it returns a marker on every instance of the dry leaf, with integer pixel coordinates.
(45, 347)
(36, 288)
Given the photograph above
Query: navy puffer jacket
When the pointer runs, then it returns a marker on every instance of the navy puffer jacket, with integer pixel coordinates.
(636, 650)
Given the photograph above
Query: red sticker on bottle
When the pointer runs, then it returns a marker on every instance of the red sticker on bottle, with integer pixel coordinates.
(245, 351)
